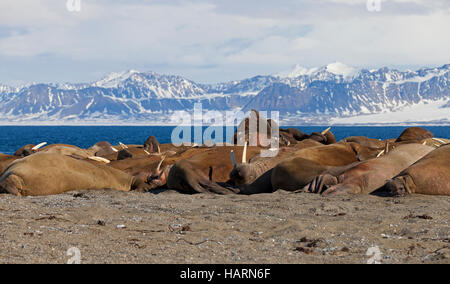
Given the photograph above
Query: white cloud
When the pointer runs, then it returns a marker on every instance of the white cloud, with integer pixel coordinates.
(217, 40)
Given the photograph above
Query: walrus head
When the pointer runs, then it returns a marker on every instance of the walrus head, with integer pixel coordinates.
(124, 154)
(396, 187)
(29, 149)
(152, 145)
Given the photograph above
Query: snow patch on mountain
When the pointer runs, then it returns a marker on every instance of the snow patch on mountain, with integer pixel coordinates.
(343, 70)
(112, 80)
(430, 112)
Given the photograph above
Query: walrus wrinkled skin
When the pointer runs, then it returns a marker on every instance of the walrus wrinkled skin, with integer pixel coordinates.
(368, 176)
(48, 174)
(414, 134)
(430, 175)
(213, 165)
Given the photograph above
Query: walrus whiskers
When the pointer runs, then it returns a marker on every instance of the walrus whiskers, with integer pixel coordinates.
(39, 146)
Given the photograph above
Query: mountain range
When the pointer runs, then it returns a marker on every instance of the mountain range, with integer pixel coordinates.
(332, 94)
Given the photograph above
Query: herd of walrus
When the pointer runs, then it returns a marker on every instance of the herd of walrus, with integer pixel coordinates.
(414, 163)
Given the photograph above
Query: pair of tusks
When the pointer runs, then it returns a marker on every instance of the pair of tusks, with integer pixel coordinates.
(148, 153)
(37, 147)
(385, 151)
(244, 156)
(123, 145)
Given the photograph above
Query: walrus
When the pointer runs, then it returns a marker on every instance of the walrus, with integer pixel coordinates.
(244, 174)
(152, 145)
(185, 177)
(102, 149)
(48, 174)
(430, 175)
(364, 141)
(414, 134)
(28, 149)
(68, 150)
(368, 176)
(213, 165)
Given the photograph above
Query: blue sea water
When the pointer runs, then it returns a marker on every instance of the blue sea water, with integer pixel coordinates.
(14, 137)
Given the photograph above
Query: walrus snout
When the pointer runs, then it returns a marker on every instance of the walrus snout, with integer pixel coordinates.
(396, 187)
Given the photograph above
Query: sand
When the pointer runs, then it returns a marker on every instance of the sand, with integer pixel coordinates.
(169, 227)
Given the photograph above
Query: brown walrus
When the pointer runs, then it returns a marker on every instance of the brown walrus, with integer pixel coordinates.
(368, 176)
(414, 134)
(67, 150)
(430, 175)
(196, 174)
(47, 174)
(364, 141)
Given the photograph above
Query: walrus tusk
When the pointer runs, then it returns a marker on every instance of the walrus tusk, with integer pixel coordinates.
(114, 149)
(38, 146)
(233, 158)
(326, 130)
(244, 154)
(438, 140)
(158, 168)
(123, 145)
(424, 143)
(379, 154)
(386, 147)
(99, 159)
(146, 152)
(159, 150)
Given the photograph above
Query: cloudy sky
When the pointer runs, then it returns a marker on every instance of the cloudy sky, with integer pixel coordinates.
(212, 41)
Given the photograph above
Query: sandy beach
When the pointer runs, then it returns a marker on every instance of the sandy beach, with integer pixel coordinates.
(169, 227)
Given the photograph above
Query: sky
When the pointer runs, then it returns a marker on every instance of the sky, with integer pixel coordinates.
(215, 41)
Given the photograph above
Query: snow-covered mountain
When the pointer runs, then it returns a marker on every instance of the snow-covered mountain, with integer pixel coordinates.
(335, 93)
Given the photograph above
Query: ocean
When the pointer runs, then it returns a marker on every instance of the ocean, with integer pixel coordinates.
(14, 137)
